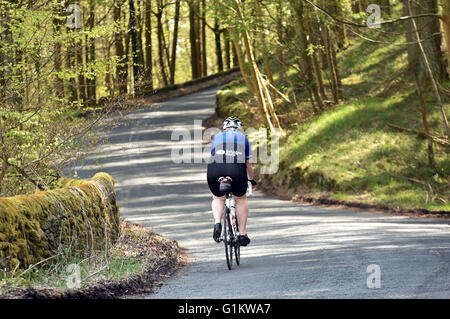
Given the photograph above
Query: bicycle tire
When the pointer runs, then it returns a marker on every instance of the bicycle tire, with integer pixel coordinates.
(237, 248)
(226, 239)
(231, 236)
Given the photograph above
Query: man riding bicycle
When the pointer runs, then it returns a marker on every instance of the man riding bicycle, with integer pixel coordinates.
(230, 156)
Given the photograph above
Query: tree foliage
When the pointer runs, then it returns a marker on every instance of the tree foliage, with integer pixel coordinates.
(60, 61)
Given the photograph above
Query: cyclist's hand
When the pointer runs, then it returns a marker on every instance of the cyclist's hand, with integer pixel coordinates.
(252, 181)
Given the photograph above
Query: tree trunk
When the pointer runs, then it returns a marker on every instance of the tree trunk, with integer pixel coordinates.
(219, 58)
(166, 45)
(252, 83)
(7, 58)
(315, 34)
(265, 58)
(259, 88)
(59, 82)
(70, 65)
(385, 7)
(80, 69)
(140, 45)
(204, 66)
(302, 40)
(161, 50)
(235, 57)
(121, 68)
(331, 66)
(428, 69)
(4, 26)
(281, 38)
(363, 4)
(148, 47)
(336, 73)
(429, 32)
(339, 29)
(194, 39)
(227, 50)
(174, 43)
(311, 98)
(109, 80)
(423, 113)
(446, 18)
(320, 85)
(90, 57)
(329, 39)
(134, 56)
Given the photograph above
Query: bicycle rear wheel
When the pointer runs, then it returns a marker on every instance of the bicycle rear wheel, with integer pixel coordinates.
(237, 248)
(226, 238)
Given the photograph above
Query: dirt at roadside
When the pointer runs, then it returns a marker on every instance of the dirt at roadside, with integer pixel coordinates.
(163, 258)
(326, 200)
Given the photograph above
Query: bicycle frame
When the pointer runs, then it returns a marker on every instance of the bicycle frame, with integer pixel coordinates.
(230, 230)
(230, 203)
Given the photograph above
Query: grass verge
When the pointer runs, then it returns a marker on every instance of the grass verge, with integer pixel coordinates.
(348, 153)
(138, 261)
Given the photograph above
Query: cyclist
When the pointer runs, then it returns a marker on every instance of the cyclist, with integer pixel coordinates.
(230, 156)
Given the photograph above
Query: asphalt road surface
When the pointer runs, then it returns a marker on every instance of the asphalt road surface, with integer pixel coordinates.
(297, 251)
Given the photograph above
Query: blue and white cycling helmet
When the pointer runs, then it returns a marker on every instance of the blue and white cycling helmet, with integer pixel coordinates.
(232, 122)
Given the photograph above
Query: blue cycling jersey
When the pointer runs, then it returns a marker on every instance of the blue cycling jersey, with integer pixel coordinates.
(231, 146)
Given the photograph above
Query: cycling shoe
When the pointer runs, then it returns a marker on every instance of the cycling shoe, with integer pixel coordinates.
(217, 232)
(243, 240)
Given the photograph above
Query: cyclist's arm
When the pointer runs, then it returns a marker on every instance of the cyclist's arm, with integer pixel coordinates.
(250, 173)
(248, 156)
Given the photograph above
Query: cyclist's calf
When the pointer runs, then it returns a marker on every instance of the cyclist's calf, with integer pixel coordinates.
(217, 208)
(242, 213)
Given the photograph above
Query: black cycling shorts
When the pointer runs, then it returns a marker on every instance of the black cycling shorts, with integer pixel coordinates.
(237, 172)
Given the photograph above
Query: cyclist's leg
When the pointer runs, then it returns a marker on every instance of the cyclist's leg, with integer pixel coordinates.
(216, 170)
(217, 208)
(239, 187)
(238, 173)
(242, 213)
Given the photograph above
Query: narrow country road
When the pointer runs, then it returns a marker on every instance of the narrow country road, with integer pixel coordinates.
(297, 251)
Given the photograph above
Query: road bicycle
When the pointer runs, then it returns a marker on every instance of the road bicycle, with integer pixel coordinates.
(230, 230)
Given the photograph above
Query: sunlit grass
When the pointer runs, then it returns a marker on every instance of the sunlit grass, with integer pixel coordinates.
(349, 151)
(94, 268)
(352, 148)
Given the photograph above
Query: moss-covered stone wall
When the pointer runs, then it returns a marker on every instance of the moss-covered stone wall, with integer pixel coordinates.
(80, 216)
